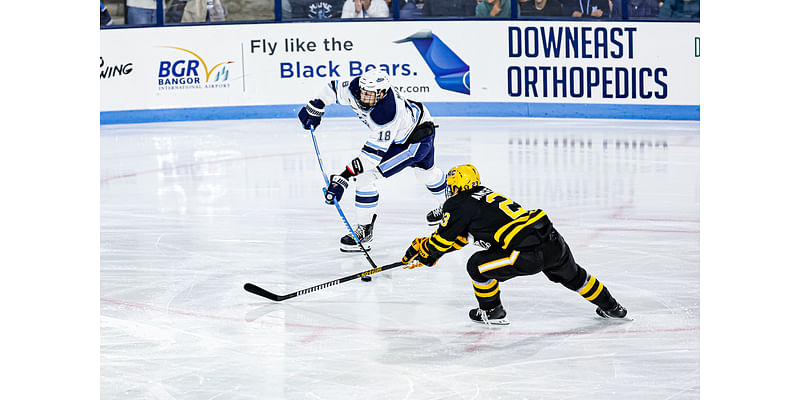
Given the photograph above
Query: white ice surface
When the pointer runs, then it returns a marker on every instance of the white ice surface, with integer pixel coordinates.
(191, 211)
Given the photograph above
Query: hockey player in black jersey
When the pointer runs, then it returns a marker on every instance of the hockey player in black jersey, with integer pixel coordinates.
(516, 242)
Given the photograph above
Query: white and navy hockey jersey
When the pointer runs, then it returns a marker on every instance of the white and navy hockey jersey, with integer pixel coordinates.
(392, 120)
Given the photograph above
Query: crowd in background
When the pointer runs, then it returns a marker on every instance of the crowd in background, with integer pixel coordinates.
(143, 12)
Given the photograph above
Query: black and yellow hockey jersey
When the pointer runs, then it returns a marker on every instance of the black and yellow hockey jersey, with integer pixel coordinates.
(489, 217)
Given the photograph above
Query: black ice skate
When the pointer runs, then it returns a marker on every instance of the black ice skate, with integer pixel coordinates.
(495, 316)
(617, 312)
(435, 216)
(364, 234)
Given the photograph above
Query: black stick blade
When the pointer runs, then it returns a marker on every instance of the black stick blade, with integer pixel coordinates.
(263, 293)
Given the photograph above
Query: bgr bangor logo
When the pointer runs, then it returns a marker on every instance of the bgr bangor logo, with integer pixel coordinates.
(186, 73)
(450, 72)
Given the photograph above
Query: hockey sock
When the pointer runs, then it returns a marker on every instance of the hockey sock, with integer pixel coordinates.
(487, 293)
(366, 205)
(596, 293)
(434, 179)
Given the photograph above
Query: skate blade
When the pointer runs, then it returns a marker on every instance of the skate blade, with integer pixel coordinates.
(354, 249)
(615, 319)
(503, 321)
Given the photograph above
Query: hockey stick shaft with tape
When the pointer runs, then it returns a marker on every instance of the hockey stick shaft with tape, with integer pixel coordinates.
(257, 290)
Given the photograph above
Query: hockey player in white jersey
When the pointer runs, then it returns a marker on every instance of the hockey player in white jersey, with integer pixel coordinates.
(402, 133)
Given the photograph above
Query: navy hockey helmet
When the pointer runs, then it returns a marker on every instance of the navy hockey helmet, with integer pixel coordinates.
(373, 86)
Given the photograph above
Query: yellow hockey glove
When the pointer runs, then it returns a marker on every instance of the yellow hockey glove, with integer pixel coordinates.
(418, 252)
(413, 251)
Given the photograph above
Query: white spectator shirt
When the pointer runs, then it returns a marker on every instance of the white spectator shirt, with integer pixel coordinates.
(377, 9)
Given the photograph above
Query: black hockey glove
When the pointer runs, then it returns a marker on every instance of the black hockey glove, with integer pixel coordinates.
(311, 115)
(335, 189)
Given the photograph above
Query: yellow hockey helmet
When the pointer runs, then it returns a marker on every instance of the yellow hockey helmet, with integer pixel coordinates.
(461, 178)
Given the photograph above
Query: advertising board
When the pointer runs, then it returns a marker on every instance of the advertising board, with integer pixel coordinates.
(484, 68)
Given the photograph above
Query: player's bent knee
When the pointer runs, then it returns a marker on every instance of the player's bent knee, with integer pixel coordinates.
(474, 273)
(575, 282)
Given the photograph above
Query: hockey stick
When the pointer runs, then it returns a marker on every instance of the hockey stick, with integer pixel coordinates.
(336, 203)
(276, 297)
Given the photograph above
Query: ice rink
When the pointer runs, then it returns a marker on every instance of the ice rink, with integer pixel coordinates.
(190, 211)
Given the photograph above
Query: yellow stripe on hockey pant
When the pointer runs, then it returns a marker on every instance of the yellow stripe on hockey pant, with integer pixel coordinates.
(588, 286)
(510, 260)
(596, 293)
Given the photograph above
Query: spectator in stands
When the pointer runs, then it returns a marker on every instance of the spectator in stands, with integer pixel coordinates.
(195, 11)
(141, 12)
(586, 8)
(286, 9)
(636, 8)
(173, 13)
(680, 9)
(494, 8)
(105, 17)
(411, 9)
(449, 8)
(365, 9)
(317, 9)
(540, 8)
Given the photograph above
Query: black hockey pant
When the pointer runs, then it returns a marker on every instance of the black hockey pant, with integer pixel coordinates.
(552, 257)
